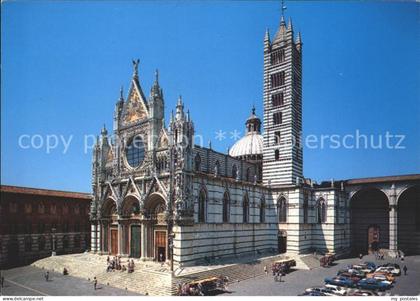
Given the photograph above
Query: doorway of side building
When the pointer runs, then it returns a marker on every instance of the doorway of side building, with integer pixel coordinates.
(282, 242)
(160, 245)
(114, 241)
(135, 241)
(373, 238)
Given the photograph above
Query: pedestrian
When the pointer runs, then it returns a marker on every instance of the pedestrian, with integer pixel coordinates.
(47, 275)
(95, 283)
(280, 274)
(405, 269)
(265, 270)
(402, 257)
(360, 256)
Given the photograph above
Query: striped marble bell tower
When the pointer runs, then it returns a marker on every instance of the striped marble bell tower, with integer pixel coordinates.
(282, 155)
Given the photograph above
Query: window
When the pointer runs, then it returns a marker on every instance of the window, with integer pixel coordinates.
(245, 209)
(226, 207)
(248, 174)
(277, 99)
(135, 151)
(217, 168)
(282, 210)
(202, 206)
(277, 118)
(321, 211)
(277, 79)
(305, 207)
(276, 154)
(262, 210)
(234, 171)
(277, 57)
(277, 137)
(197, 163)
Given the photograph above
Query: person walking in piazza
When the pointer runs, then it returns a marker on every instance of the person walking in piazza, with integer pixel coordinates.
(47, 276)
(265, 270)
(95, 283)
(405, 269)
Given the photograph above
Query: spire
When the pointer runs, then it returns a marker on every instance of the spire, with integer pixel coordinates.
(157, 76)
(290, 25)
(281, 32)
(121, 94)
(156, 90)
(298, 38)
(267, 35)
(104, 132)
(179, 109)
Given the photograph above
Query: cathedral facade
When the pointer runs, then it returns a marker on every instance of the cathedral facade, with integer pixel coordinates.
(157, 196)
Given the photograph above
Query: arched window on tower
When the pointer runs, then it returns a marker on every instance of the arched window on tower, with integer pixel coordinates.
(226, 207)
(262, 210)
(202, 203)
(321, 211)
(282, 209)
(276, 154)
(245, 209)
(197, 162)
(234, 171)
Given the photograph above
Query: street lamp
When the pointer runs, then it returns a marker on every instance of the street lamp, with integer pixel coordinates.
(53, 242)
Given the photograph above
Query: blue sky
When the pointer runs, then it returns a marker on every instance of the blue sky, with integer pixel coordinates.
(64, 62)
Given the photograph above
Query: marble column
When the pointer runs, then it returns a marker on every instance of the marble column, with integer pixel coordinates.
(93, 238)
(393, 220)
(143, 242)
(393, 223)
(120, 238)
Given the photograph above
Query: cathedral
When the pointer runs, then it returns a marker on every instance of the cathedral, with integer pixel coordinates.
(157, 196)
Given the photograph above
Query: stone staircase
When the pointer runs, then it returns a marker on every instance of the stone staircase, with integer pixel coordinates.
(147, 279)
(236, 272)
(150, 278)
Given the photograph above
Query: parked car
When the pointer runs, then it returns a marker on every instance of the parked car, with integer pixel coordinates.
(362, 293)
(381, 276)
(394, 271)
(364, 267)
(312, 294)
(352, 277)
(352, 272)
(336, 290)
(372, 284)
(340, 281)
(394, 265)
(323, 290)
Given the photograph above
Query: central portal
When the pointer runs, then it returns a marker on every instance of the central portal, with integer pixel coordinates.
(135, 241)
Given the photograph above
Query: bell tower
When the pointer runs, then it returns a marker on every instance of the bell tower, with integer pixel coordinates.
(282, 155)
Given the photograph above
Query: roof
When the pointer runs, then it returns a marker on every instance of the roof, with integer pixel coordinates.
(45, 192)
(412, 177)
(250, 144)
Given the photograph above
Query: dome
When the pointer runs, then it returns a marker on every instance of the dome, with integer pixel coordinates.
(251, 144)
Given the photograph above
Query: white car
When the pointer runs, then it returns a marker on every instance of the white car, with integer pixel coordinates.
(323, 290)
(392, 270)
(336, 290)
